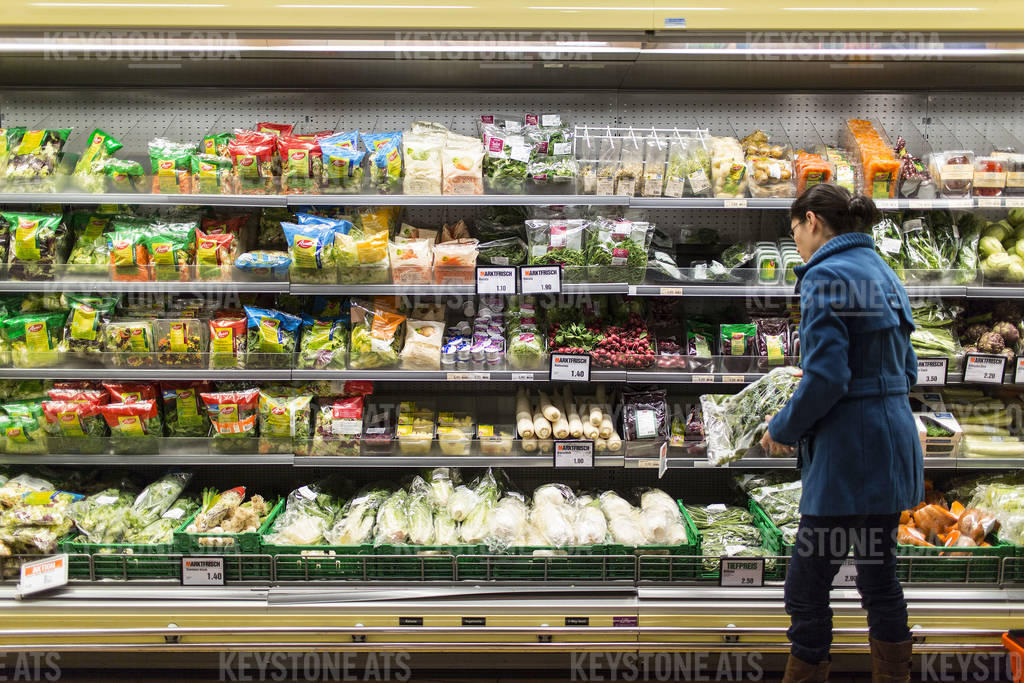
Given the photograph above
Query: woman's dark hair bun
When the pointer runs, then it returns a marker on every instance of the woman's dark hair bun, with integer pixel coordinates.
(863, 211)
(835, 206)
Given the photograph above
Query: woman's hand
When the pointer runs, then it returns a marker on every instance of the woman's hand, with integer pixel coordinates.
(771, 446)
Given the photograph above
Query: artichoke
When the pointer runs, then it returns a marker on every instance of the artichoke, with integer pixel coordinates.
(991, 342)
(1008, 331)
(973, 333)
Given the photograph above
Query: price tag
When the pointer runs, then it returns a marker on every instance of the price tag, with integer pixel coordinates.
(495, 280)
(931, 372)
(648, 464)
(703, 379)
(886, 203)
(960, 204)
(989, 202)
(566, 367)
(733, 379)
(1018, 375)
(1014, 202)
(921, 204)
(984, 369)
(735, 203)
(574, 454)
(671, 291)
(474, 621)
(540, 279)
(410, 621)
(43, 575)
(743, 572)
(522, 376)
(468, 376)
(663, 460)
(846, 577)
(202, 571)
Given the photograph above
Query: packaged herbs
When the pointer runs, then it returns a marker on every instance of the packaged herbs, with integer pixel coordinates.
(323, 344)
(339, 423)
(36, 339)
(233, 415)
(272, 337)
(922, 259)
(129, 343)
(889, 243)
(617, 251)
(37, 241)
(134, 427)
(184, 411)
(510, 251)
(228, 340)
(86, 318)
(284, 424)
(74, 426)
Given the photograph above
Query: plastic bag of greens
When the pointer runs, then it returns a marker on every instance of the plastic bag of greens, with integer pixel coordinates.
(377, 336)
(212, 174)
(88, 172)
(171, 166)
(233, 414)
(90, 254)
(323, 344)
(183, 409)
(342, 163)
(946, 233)
(284, 424)
(308, 515)
(312, 250)
(157, 498)
(228, 340)
(86, 317)
(339, 422)
(170, 251)
(965, 264)
(734, 424)
(355, 523)
(385, 152)
(37, 244)
(102, 517)
(134, 427)
(889, 244)
(33, 161)
(74, 427)
(617, 251)
(271, 338)
(123, 176)
(161, 531)
(922, 255)
(36, 339)
(510, 251)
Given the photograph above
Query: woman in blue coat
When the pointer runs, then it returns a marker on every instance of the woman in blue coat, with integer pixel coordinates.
(851, 426)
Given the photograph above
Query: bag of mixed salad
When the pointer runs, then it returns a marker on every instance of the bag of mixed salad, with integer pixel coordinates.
(169, 252)
(76, 427)
(32, 164)
(36, 339)
(323, 344)
(311, 247)
(227, 340)
(284, 424)
(86, 317)
(233, 416)
(252, 154)
(25, 428)
(339, 423)
(272, 337)
(88, 172)
(171, 165)
(90, 254)
(123, 175)
(212, 174)
(184, 411)
(129, 259)
(385, 154)
(134, 427)
(37, 244)
(301, 164)
(377, 335)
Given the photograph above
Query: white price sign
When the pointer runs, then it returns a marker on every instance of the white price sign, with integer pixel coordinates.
(921, 204)
(960, 203)
(931, 372)
(43, 575)
(495, 280)
(468, 376)
(733, 379)
(566, 367)
(1014, 202)
(574, 454)
(522, 376)
(735, 203)
(1018, 375)
(202, 571)
(989, 202)
(671, 291)
(846, 577)
(743, 572)
(984, 369)
(540, 279)
(703, 379)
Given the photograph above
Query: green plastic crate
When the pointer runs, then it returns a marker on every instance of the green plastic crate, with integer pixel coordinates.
(661, 563)
(425, 562)
(247, 543)
(120, 560)
(320, 562)
(543, 563)
(916, 564)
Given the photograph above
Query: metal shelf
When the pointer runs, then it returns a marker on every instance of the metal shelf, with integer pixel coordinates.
(727, 378)
(186, 460)
(426, 375)
(446, 461)
(455, 200)
(161, 287)
(967, 463)
(143, 373)
(143, 198)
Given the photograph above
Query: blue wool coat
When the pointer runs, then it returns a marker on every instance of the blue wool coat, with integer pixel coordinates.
(850, 417)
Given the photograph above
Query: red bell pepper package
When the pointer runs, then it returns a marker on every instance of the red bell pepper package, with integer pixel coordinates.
(128, 392)
(213, 256)
(93, 396)
(233, 413)
(252, 154)
(301, 164)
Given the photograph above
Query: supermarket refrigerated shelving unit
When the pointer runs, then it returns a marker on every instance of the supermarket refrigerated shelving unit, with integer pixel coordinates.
(485, 618)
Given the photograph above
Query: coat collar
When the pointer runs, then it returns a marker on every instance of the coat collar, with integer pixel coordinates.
(849, 240)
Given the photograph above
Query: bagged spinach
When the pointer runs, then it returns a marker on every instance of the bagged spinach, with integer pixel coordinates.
(37, 243)
(284, 423)
(184, 412)
(271, 337)
(323, 344)
(86, 317)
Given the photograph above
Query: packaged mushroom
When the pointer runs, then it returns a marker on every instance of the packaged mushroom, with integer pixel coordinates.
(769, 166)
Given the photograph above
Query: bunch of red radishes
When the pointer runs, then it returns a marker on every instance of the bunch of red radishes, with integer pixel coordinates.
(628, 347)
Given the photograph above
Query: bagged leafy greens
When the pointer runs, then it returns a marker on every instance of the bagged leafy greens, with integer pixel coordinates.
(284, 423)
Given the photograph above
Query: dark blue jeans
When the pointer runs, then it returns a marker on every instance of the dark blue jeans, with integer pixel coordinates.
(822, 544)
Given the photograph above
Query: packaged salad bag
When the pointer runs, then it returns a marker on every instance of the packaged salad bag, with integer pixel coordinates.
(342, 163)
(378, 333)
(37, 243)
(74, 427)
(252, 154)
(311, 247)
(228, 340)
(129, 259)
(169, 252)
(86, 317)
(323, 344)
(233, 416)
(134, 427)
(32, 165)
(385, 152)
(171, 165)
(24, 428)
(184, 410)
(88, 173)
(212, 174)
(339, 424)
(36, 339)
(271, 338)
(90, 253)
(284, 423)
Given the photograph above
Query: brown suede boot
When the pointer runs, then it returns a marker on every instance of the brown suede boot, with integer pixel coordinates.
(890, 662)
(799, 671)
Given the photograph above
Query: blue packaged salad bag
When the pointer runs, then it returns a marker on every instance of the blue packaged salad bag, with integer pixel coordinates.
(271, 337)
